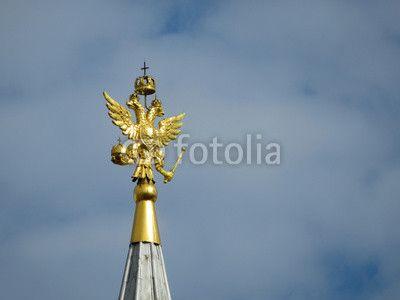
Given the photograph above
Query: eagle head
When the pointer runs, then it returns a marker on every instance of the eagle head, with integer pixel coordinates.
(157, 107)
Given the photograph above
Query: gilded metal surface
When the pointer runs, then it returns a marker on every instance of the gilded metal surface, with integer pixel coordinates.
(145, 85)
(145, 150)
(145, 227)
(147, 140)
(118, 154)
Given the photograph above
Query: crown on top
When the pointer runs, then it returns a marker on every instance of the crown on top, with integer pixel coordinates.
(145, 85)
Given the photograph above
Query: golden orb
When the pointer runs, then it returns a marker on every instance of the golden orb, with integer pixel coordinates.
(117, 153)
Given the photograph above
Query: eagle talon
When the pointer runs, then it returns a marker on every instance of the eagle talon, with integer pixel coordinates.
(168, 177)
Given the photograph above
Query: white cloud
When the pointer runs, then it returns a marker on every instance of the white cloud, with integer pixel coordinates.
(309, 76)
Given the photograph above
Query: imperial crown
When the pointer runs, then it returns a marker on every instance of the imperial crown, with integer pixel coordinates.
(156, 102)
(145, 85)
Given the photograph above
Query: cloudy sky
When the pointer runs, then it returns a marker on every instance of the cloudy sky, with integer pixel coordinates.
(321, 78)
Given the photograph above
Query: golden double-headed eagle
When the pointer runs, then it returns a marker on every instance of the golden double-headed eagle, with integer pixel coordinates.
(146, 141)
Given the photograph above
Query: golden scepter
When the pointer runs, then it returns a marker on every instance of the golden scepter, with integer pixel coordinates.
(178, 160)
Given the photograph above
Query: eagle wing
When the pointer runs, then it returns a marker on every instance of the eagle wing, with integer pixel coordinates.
(169, 129)
(121, 117)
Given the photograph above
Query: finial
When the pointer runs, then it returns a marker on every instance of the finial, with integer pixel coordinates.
(145, 150)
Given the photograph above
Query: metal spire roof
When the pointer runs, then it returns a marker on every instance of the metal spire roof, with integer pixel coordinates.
(145, 277)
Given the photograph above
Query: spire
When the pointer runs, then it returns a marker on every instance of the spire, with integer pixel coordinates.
(144, 276)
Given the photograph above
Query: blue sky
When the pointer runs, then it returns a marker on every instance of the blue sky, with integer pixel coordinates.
(319, 77)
